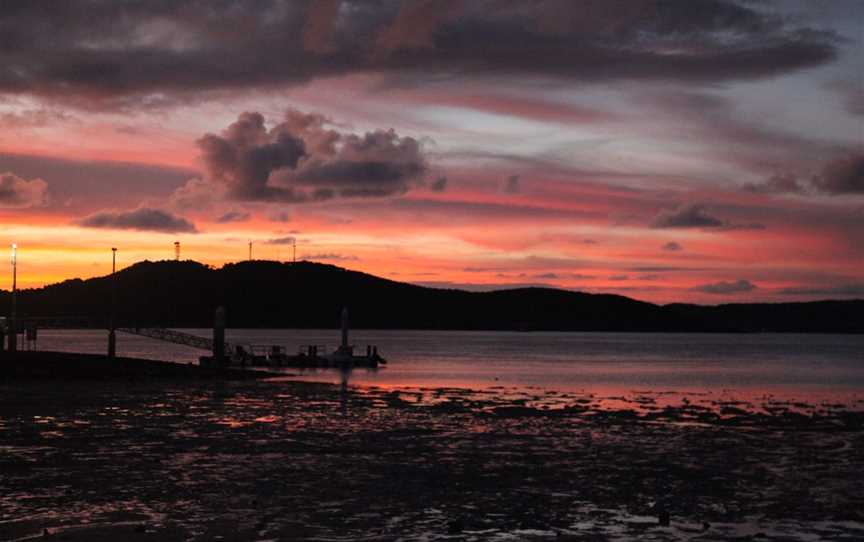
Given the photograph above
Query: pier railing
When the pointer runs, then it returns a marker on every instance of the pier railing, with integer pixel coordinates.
(173, 336)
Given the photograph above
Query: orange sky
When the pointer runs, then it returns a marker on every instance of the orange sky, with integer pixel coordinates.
(668, 179)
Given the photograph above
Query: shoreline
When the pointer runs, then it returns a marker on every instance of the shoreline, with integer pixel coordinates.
(52, 366)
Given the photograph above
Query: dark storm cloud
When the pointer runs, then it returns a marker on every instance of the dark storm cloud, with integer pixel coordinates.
(246, 153)
(234, 216)
(844, 175)
(690, 215)
(696, 215)
(138, 53)
(777, 184)
(723, 287)
(439, 185)
(18, 192)
(281, 241)
(142, 218)
(302, 160)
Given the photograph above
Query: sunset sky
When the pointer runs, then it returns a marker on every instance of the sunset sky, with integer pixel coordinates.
(707, 151)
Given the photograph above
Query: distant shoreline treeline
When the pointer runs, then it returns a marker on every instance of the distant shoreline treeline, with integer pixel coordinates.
(264, 294)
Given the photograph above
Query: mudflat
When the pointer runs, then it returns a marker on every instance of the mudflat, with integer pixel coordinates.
(282, 460)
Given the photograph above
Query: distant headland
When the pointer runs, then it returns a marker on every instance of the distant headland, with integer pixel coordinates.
(259, 294)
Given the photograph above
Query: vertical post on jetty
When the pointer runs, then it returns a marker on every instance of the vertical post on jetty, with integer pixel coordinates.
(344, 347)
(13, 320)
(219, 337)
(112, 335)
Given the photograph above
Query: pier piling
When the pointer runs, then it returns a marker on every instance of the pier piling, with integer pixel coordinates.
(219, 337)
(344, 346)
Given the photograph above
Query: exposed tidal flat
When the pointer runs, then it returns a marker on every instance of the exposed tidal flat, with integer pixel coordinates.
(286, 460)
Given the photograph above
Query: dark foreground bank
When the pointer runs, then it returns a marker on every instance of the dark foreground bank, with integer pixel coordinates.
(65, 366)
(280, 460)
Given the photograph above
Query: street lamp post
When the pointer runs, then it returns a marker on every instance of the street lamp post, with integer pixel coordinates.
(13, 317)
(112, 335)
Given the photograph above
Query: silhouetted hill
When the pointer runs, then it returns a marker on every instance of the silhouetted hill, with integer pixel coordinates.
(311, 295)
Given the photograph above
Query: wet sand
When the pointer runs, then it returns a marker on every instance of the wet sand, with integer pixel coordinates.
(282, 460)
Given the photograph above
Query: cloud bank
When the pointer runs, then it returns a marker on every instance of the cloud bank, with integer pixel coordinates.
(140, 53)
(843, 174)
(690, 215)
(234, 216)
(302, 160)
(18, 192)
(142, 218)
(696, 215)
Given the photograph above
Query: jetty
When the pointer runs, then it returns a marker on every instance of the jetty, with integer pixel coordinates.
(226, 354)
(223, 354)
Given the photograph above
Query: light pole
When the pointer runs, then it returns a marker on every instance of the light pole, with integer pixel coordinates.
(13, 327)
(112, 335)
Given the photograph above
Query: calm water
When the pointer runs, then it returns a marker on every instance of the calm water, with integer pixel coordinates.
(802, 365)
